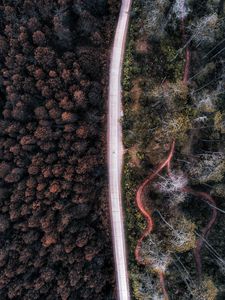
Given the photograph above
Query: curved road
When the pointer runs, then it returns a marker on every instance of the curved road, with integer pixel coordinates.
(115, 152)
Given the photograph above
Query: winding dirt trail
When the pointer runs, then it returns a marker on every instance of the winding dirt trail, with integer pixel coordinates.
(115, 152)
(208, 199)
(144, 211)
(188, 53)
(147, 214)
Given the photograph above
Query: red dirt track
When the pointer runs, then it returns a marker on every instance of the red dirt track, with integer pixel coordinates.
(208, 199)
(187, 66)
(140, 204)
(147, 215)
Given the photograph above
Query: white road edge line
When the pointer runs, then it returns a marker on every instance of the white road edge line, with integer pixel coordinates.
(115, 152)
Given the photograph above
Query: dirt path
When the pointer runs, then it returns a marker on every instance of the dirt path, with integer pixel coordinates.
(115, 153)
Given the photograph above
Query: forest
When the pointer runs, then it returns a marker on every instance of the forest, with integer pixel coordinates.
(174, 129)
(54, 223)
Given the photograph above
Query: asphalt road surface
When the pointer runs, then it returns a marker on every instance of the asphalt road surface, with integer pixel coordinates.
(115, 153)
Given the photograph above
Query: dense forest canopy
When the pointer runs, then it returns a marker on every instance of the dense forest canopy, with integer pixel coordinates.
(54, 235)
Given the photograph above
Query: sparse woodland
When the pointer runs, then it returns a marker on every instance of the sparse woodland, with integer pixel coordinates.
(174, 96)
(54, 228)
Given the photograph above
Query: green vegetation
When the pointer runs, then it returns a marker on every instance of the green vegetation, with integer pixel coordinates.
(159, 108)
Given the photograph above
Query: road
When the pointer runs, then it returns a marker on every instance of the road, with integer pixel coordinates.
(115, 153)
